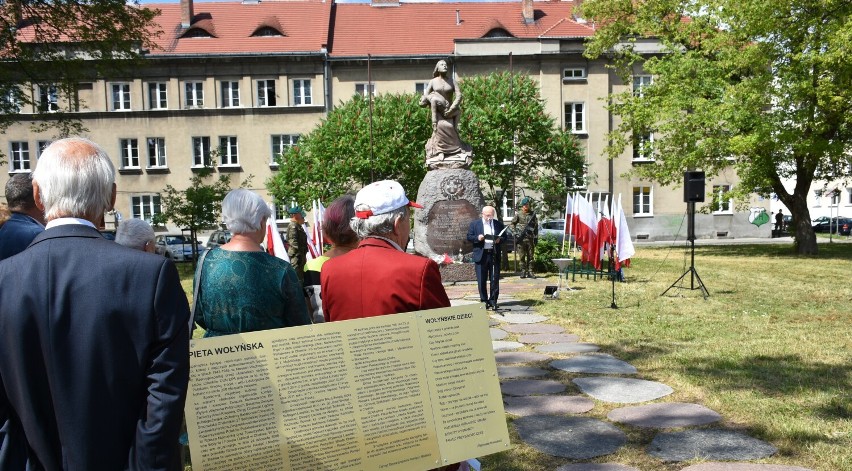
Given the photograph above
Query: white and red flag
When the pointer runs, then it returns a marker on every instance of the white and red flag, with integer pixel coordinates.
(585, 231)
(623, 244)
(605, 233)
(274, 244)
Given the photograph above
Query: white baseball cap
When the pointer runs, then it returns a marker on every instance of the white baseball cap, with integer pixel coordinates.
(381, 197)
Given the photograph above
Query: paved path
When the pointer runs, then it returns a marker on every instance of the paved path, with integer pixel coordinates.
(552, 421)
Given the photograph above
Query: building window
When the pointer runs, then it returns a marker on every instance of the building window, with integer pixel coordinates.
(817, 198)
(121, 97)
(361, 89)
(48, 98)
(639, 84)
(575, 117)
(722, 203)
(229, 154)
(420, 87)
(643, 144)
(156, 152)
(201, 151)
(302, 92)
(266, 93)
(145, 207)
(573, 74)
(194, 94)
(849, 196)
(40, 147)
(10, 102)
(280, 144)
(129, 153)
(20, 156)
(157, 97)
(834, 198)
(230, 94)
(643, 201)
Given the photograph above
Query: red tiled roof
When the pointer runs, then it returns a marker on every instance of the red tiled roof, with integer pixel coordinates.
(304, 24)
(431, 29)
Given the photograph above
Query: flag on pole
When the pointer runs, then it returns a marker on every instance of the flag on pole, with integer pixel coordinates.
(569, 215)
(586, 231)
(604, 226)
(623, 244)
(319, 217)
(274, 244)
(313, 252)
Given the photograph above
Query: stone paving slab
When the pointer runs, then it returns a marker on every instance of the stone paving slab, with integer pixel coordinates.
(493, 322)
(520, 372)
(742, 467)
(500, 345)
(569, 347)
(600, 363)
(548, 338)
(622, 390)
(596, 467)
(547, 405)
(534, 328)
(519, 318)
(529, 387)
(520, 357)
(665, 415)
(498, 334)
(710, 444)
(577, 438)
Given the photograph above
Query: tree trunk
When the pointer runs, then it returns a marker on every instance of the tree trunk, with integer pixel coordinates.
(803, 232)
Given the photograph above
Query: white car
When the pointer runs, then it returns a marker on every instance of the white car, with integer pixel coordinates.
(174, 246)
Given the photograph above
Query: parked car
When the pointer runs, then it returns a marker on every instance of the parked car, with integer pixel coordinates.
(177, 247)
(218, 238)
(844, 226)
(824, 224)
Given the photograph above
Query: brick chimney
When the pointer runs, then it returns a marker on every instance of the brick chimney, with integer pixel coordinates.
(186, 13)
(527, 11)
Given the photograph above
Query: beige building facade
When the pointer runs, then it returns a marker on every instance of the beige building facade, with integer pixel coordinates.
(235, 109)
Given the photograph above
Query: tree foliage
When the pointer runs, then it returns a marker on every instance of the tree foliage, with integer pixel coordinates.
(60, 43)
(762, 87)
(335, 157)
(197, 207)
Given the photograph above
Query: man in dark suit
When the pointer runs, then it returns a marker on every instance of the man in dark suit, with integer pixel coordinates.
(94, 341)
(26, 222)
(484, 233)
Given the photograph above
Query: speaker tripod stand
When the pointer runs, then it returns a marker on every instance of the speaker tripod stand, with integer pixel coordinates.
(693, 274)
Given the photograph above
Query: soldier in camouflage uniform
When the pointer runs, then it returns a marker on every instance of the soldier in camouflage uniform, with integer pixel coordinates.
(298, 241)
(525, 227)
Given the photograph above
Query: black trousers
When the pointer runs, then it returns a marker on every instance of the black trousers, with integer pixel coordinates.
(488, 269)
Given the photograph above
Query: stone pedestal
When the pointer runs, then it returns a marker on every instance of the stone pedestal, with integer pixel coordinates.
(451, 200)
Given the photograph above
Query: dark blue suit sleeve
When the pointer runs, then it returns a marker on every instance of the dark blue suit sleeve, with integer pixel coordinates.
(168, 375)
(472, 233)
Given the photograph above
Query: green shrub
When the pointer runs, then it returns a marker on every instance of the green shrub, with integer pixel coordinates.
(548, 248)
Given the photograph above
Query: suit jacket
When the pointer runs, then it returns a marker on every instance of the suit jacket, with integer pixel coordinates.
(376, 279)
(94, 356)
(477, 227)
(17, 233)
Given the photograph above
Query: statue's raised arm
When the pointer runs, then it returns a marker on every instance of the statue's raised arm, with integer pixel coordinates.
(442, 95)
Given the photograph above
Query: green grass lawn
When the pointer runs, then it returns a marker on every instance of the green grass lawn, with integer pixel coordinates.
(770, 349)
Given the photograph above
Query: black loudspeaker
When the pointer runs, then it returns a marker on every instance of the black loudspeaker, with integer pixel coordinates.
(693, 187)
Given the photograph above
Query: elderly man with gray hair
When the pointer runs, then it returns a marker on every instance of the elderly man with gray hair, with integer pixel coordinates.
(136, 234)
(94, 337)
(378, 277)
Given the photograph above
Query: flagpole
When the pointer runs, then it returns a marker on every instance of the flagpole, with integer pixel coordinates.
(567, 200)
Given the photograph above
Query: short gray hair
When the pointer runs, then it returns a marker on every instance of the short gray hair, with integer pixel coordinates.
(379, 225)
(75, 178)
(243, 211)
(134, 233)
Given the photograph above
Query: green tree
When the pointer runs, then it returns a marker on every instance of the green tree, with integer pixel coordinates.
(336, 157)
(196, 207)
(57, 44)
(505, 121)
(339, 156)
(762, 87)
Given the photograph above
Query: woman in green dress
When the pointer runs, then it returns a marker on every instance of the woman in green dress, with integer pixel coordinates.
(243, 288)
